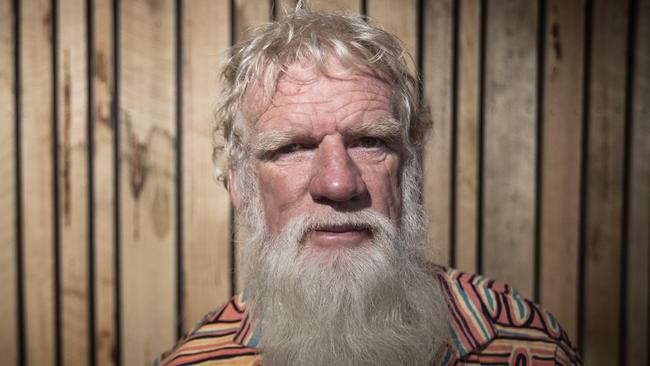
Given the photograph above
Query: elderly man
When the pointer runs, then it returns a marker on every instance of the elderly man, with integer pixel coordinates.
(323, 133)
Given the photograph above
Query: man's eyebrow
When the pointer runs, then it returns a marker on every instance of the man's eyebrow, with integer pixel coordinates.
(388, 129)
(269, 141)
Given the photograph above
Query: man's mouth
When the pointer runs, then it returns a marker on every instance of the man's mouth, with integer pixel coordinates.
(337, 236)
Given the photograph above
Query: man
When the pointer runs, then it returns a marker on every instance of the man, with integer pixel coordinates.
(323, 134)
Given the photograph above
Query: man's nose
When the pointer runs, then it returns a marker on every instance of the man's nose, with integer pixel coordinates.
(336, 177)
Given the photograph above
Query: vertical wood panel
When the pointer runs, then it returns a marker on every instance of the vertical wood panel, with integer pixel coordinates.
(638, 272)
(8, 234)
(73, 180)
(562, 136)
(147, 144)
(400, 20)
(37, 181)
(206, 206)
(467, 179)
(437, 70)
(248, 14)
(336, 5)
(104, 179)
(605, 182)
(509, 186)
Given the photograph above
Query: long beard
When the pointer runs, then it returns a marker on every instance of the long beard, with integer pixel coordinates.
(376, 304)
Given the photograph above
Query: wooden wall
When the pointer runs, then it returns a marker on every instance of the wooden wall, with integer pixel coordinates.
(115, 238)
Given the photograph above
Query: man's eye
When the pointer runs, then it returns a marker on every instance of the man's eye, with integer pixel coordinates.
(288, 149)
(370, 143)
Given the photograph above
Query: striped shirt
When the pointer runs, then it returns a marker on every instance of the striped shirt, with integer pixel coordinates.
(490, 324)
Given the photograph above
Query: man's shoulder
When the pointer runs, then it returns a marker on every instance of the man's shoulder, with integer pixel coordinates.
(222, 337)
(492, 320)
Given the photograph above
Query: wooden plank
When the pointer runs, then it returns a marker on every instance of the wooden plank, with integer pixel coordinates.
(638, 272)
(437, 70)
(37, 181)
(336, 5)
(147, 176)
(249, 14)
(562, 136)
(37, 175)
(399, 20)
(73, 180)
(8, 234)
(206, 205)
(467, 135)
(509, 186)
(104, 178)
(605, 183)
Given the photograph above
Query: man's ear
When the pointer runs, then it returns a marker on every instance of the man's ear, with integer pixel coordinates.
(232, 188)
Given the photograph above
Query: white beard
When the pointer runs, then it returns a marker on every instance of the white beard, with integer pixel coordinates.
(375, 304)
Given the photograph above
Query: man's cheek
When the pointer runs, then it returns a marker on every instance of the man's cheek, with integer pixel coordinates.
(280, 197)
(384, 180)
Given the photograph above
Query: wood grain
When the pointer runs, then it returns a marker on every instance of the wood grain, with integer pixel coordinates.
(206, 205)
(400, 20)
(8, 234)
(147, 176)
(509, 186)
(467, 135)
(437, 70)
(336, 5)
(73, 180)
(37, 181)
(248, 14)
(605, 158)
(638, 253)
(562, 136)
(104, 178)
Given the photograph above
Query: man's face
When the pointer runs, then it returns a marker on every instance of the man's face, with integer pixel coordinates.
(327, 144)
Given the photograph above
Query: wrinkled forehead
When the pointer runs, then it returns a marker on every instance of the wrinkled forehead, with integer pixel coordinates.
(301, 76)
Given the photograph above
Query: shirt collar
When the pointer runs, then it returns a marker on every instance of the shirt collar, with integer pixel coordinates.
(468, 302)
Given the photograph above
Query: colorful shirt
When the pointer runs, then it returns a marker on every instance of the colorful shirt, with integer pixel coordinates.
(490, 324)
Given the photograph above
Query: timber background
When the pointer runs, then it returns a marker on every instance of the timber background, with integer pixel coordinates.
(115, 238)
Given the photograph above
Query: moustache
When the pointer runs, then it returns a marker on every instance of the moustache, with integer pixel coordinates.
(368, 220)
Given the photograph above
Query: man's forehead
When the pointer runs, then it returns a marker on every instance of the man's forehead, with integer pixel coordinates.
(302, 77)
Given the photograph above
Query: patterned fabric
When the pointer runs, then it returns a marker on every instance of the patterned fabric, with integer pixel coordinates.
(493, 325)
(490, 323)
